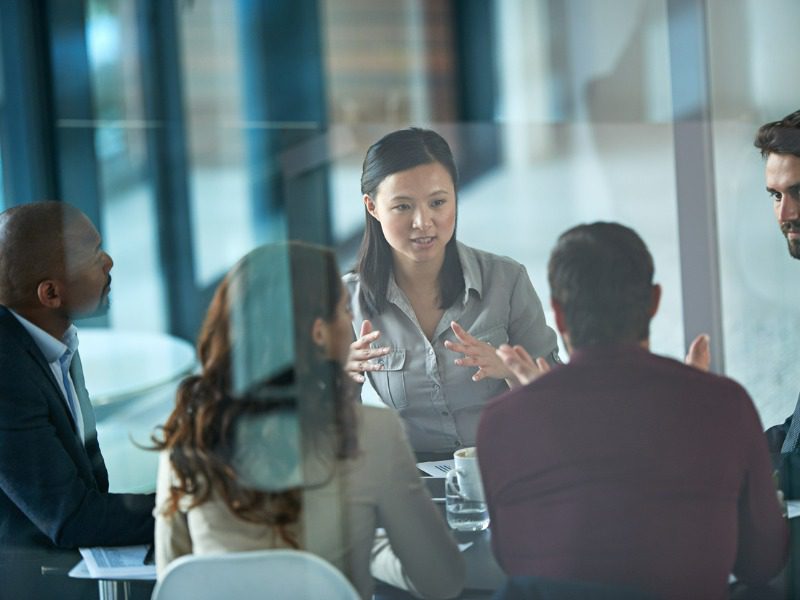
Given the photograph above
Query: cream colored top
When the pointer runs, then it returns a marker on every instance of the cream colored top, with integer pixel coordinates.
(378, 488)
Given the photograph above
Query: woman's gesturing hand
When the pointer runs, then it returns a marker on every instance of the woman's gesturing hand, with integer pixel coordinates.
(520, 363)
(477, 354)
(361, 354)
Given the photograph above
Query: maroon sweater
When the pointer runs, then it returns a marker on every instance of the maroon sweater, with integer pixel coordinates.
(628, 468)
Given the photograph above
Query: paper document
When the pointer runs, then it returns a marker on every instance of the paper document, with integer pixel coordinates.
(436, 468)
(119, 562)
(80, 571)
(793, 509)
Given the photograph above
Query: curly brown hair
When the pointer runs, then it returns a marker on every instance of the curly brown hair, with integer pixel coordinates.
(248, 371)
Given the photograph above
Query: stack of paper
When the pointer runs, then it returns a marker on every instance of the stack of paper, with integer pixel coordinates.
(120, 562)
(436, 468)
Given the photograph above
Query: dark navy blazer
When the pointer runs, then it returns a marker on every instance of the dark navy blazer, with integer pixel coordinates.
(786, 463)
(53, 488)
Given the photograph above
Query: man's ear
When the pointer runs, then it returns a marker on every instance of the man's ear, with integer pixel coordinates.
(49, 293)
(558, 310)
(370, 204)
(561, 323)
(655, 300)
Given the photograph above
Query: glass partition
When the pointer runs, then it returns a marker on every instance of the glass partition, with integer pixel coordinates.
(134, 367)
(223, 223)
(128, 207)
(586, 122)
(753, 58)
(3, 141)
(388, 65)
(584, 115)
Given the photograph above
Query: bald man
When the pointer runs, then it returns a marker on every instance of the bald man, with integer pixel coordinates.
(53, 481)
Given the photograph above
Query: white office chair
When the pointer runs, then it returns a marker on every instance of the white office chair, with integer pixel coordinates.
(264, 574)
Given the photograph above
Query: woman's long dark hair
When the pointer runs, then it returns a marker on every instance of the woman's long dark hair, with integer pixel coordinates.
(399, 151)
(242, 338)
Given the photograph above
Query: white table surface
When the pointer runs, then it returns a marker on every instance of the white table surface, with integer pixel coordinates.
(132, 378)
(118, 365)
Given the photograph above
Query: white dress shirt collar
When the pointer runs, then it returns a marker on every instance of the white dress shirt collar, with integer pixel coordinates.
(51, 348)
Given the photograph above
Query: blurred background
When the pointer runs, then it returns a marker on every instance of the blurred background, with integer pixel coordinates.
(191, 131)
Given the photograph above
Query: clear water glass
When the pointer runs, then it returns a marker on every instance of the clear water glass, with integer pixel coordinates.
(463, 514)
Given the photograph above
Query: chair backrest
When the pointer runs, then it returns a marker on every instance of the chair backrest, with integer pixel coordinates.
(273, 574)
(540, 588)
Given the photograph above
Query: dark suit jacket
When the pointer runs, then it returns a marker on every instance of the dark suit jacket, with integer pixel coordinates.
(627, 468)
(787, 464)
(53, 489)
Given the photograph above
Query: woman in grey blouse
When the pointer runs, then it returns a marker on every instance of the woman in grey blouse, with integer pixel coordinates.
(428, 311)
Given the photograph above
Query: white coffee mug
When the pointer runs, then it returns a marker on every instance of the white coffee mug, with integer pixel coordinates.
(468, 473)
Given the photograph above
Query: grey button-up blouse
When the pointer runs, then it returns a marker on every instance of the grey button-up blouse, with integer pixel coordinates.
(437, 399)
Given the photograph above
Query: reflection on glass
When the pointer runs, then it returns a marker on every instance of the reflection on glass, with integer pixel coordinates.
(388, 64)
(222, 220)
(2, 133)
(752, 51)
(2, 183)
(129, 225)
(587, 132)
(288, 389)
(584, 115)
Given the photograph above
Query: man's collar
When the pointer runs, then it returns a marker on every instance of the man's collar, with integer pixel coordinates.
(607, 351)
(51, 348)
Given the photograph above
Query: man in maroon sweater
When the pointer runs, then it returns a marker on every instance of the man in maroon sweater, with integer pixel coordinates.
(624, 467)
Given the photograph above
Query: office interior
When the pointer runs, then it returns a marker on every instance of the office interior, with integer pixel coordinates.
(191, 131)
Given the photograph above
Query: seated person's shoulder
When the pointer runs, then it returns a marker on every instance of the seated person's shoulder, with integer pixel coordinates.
(488, 261)
(710, 382)
(370, 417)
(23, 390)
(718, 397)
(724, 386)
(11, 353)
(379, 428)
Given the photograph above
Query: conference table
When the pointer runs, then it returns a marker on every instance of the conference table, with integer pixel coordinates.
(484, 576)
(132, 377)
